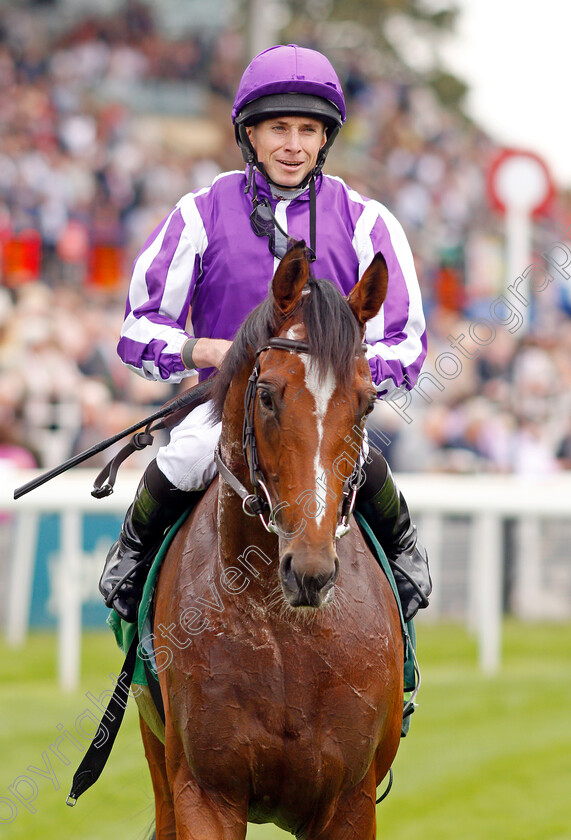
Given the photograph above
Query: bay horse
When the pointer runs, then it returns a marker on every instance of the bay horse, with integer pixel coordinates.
(279, 647)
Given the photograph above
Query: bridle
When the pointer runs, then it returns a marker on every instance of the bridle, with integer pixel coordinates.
(260, 503)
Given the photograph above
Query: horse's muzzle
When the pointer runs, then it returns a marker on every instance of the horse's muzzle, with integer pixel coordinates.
(303, 587)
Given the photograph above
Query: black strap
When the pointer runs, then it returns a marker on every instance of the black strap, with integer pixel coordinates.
(155, 690)
(388, 787)
(152, 679)
(283, 343)
(178, 408)
(312, 222)
(98, 751)
(105, 481)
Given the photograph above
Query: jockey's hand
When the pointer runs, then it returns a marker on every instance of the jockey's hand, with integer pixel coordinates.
(210, 352)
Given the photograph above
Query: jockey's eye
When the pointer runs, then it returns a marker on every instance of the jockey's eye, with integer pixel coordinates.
(266, 399)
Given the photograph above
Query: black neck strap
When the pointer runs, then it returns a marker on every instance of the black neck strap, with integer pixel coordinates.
(312, 221)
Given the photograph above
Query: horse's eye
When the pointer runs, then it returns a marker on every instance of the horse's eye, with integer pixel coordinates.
(370, 406)
(265, 399)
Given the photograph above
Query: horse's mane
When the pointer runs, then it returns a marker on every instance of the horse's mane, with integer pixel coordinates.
(333, 336)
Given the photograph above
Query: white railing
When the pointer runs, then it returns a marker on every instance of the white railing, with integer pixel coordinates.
(70, 496)
(486, 499)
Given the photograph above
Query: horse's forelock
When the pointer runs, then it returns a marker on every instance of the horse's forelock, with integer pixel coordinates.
(332, 333)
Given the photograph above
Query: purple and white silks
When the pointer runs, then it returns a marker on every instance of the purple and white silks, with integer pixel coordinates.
(205, 258)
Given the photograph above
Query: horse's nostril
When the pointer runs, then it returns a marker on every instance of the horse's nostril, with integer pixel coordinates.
(287, 572)
(335, 573)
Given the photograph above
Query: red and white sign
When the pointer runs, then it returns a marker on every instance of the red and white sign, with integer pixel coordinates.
(521, 181)
(519, 186)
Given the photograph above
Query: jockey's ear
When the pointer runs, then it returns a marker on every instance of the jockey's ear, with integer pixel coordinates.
(290, 278)
(367, 297)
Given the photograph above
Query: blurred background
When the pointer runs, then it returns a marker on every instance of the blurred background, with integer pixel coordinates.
(111, 111)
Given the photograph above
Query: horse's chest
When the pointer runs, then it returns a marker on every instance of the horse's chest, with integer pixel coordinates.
(280, 701)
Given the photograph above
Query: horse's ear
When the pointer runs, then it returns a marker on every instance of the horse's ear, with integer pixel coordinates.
(367, 297)
(290, 278)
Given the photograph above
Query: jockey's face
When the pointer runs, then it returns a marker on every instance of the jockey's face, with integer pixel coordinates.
(287, 147)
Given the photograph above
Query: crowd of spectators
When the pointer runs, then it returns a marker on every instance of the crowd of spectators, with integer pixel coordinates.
(81, 186)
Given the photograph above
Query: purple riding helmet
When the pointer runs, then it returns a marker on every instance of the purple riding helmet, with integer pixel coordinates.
(288, 80)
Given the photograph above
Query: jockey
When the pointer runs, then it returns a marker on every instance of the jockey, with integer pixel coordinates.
(215, 255)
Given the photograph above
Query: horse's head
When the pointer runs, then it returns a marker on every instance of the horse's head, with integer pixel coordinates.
(312, 397)
(306, 404)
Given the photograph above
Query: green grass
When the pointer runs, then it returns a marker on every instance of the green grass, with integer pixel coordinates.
(486, 758)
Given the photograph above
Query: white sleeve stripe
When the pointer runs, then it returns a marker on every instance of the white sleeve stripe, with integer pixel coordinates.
(408, 350)
(362, 241)
(391, 390)
(281, 216)
(193, 221)
(178, 277)
(138, 293)
(139, 329)
(180, 268)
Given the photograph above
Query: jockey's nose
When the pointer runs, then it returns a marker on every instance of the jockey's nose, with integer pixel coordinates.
(293, 140)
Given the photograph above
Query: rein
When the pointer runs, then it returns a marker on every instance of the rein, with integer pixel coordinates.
(256, 504)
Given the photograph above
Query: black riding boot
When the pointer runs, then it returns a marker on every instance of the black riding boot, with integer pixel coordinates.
(157, 506)
(384, 508)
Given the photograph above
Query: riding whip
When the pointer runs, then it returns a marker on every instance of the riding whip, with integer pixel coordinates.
(179, 405)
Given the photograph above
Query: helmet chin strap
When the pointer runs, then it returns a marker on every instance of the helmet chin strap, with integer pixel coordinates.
(254, 164)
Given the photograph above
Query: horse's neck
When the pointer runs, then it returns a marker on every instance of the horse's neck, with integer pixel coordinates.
(237, 531)
(247, 553)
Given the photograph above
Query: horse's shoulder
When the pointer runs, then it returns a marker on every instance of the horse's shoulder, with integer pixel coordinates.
(196, 534)
(361, 574)
(355, 551)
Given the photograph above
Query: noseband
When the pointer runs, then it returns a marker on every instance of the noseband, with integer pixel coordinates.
(256, 504)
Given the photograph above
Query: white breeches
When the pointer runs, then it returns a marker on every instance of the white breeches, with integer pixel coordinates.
(187, 460)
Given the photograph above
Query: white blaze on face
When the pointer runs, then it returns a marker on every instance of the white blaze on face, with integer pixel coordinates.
(322, 391)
